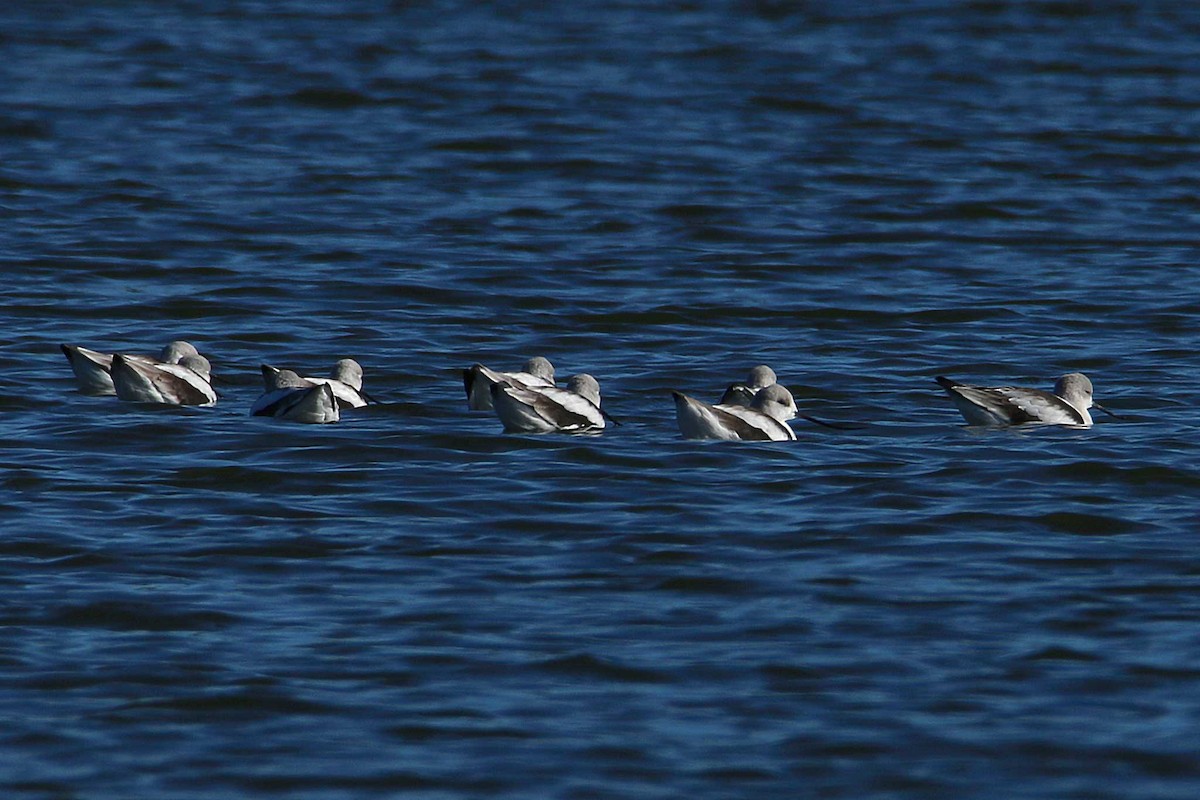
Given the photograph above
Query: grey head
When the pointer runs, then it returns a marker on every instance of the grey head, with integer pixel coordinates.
(197, 364)
(775, 401)
(348, 371)
(1075, 388)
(540, 367)
(283, 379)
(174, 352)
(760, 377)
(585, 386)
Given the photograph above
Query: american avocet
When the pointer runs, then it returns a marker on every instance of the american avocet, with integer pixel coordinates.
(1013, 405)
(544, 409)
(742, 394)
(765, 419)
(93, 370)
(346, 381)
(478, 380)
(761, 377)
(188, 383)
(290, 397)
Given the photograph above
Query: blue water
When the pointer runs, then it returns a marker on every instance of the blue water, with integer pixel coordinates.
(195, 603)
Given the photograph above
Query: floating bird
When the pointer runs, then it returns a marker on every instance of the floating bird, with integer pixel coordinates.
(761, 377)
(764, 420)
(346, 380)
(290, 397)
(742, 394)
(187, 383)
(478, 381)
(1013, 405)
(737, 394)
(544, 409)
(93, 370)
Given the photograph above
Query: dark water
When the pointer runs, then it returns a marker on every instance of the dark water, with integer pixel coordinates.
(195, 603)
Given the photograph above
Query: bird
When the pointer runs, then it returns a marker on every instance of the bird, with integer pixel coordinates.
(544, 409)
(93, 370)
(187, 383)
(346, 380)
(765, 419)
(742, 394)
(737, 394)
(1014, 405)
(478, 380)
(761, 377)
(291, 397)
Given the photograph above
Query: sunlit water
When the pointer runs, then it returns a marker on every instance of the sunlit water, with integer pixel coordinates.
(197, 603)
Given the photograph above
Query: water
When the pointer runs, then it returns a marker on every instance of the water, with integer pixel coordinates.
(196, 603)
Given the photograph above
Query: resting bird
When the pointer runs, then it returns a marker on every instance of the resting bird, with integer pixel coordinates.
(742, 394)
(188, 383)
(290, 397)
(761, 377)
(764, 420)
(478, 380)
(737, 394)
(548, 408)
(1013, 405)
(346, 381)
(93, 370)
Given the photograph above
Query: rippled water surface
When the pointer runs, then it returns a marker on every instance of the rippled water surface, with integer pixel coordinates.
(197, 603)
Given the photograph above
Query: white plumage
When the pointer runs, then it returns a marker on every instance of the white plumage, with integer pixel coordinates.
(346, 381)
(545, 409)
(290, 397)
(1014, 405)
(93, 369)
(478, 380)
(187, 383)
(765, 419)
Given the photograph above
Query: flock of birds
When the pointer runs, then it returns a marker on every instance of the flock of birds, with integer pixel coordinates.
(530, 401)
(180, 376)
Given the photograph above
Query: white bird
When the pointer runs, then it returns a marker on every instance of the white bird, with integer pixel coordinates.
(478, 381)
(93, 370)
(346, 381)
(187, 383)
(290, 397)
(1013, 405)
(548, 408)
(764, 420)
